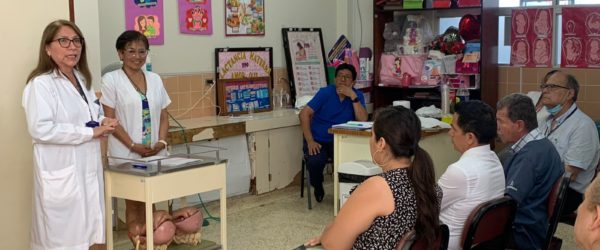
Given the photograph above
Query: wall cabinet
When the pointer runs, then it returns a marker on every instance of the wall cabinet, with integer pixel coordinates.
(488, 77)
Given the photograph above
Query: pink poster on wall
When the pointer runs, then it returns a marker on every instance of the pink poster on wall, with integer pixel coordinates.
(580, 38)
(244, 64)
(195, 17)
(146, 16)
(531, 37)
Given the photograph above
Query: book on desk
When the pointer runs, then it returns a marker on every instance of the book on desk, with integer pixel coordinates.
(354, 125)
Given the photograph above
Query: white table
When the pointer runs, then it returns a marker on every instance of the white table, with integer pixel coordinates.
(162, 187)
(352, 145)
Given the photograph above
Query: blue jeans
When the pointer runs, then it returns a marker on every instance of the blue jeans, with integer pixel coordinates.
(316, 163)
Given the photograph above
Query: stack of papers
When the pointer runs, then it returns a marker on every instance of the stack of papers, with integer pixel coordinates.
(354, 125)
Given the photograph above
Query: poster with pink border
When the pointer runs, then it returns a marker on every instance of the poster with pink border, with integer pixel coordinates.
(244, 64)
(146, 16)
(580, 38)
(195, 17)
(531, 37)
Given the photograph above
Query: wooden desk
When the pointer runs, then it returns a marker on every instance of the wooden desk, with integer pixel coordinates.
(162, 187)
(352, 145)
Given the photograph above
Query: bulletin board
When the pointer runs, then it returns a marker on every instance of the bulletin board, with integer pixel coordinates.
(305, 59)
(242, 96)
(243, 67)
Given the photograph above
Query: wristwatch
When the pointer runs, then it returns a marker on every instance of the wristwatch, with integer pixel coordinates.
(355, 99)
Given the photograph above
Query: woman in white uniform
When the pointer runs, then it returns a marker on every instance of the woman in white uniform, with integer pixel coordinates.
(64, 121)
(139, 100)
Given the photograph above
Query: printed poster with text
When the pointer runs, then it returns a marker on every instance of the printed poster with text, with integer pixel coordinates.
(146, 16)
(195, 17)
(244, 64)
(307, 61)
(531, 37)
(580, 38)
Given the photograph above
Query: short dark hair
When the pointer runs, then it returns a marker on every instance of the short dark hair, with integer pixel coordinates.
(571, 82)
(346, 66)
(519, 107)
(131, 36)
(479, 118)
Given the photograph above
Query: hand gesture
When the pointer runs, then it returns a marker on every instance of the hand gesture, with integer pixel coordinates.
(155, 149)
(313, 242)
(103, 130)
(313, 147)
(111, 122)
(346, 91)
(141, 149)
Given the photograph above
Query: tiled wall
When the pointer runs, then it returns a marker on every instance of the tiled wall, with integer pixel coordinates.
(192, 97)
(589, 85)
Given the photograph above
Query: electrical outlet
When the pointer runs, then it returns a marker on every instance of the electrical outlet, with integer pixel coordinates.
(209, 82)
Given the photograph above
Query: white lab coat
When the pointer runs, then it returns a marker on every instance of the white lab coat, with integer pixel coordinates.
(119, 94)
(68, 185)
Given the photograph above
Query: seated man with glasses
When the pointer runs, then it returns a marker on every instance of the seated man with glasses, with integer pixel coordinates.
(331, 105)
(572, 132)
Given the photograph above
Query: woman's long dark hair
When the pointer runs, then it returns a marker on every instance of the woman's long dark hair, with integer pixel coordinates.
(401, 129)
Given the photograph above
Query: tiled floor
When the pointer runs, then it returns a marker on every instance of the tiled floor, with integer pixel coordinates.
(281, 220)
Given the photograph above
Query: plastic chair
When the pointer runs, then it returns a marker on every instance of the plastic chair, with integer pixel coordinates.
(441, 241)
(556, 200)
(489, 222)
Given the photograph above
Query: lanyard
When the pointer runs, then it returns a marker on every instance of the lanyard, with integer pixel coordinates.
(557, 126)
(82, 94)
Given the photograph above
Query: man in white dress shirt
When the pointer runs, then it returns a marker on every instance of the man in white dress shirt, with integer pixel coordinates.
(477, 176)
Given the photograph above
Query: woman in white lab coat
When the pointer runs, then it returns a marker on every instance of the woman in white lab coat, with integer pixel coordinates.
(138, 99)
(64, 120)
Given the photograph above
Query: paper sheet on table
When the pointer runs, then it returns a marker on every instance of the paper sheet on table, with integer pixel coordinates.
(429, 123)
(171, 162)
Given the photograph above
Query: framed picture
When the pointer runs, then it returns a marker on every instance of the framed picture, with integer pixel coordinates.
(242, 64)
(243, 96)
(305, 59)
(244, 17)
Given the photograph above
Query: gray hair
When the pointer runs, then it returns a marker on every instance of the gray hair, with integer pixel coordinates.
(571, 82)
(519, 107)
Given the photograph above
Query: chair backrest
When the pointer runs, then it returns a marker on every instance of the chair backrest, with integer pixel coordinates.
(488, 221)
(441, 242)
(556, 199)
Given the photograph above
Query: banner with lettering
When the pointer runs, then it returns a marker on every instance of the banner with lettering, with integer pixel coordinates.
(580, 37)
(244, 64)
(195, 17)
(531, 37)
(146, 16)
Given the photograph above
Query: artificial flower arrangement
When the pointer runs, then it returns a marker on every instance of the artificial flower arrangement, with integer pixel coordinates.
(449, 43)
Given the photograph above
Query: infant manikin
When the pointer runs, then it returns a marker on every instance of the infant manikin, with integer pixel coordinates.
(183, 226)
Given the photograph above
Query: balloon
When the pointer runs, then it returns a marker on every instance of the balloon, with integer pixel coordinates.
(469, 27)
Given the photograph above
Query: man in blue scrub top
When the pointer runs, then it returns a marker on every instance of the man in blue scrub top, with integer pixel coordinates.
(531, 171)
(331, 105)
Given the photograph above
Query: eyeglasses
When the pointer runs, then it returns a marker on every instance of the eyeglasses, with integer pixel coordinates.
(551, 86)
(344, 77)
(138, 53)
(66, 42)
